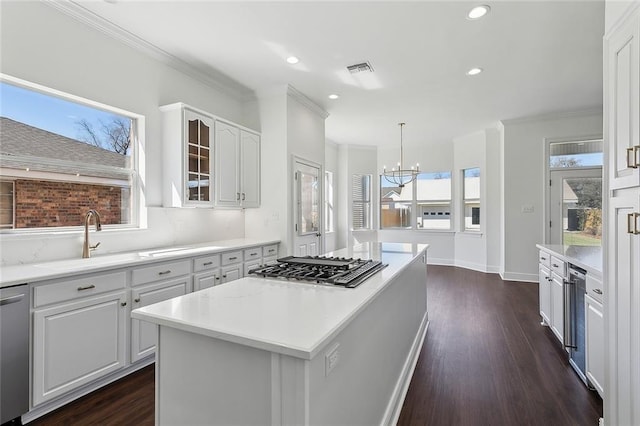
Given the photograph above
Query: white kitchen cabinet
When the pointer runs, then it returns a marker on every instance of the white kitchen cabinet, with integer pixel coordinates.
(144, 335)
(621, 283)
(207, 272)
(544, 293)
(188, 141)
(231, 272)
(622, 92)
(237, 174)
(594, 343)
(77, 342)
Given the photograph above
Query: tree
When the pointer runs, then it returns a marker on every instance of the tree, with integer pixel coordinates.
(114, 136)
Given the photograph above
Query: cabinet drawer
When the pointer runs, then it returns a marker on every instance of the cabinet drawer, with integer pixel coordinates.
(77, 288)
(268, 251)
(206, 262)
(254, 253)
(231, 257)
(557, 266)
(544, 258)
(594, 288)
(160, 272)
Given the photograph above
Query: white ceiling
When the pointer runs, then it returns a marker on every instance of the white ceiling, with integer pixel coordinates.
(538, 57)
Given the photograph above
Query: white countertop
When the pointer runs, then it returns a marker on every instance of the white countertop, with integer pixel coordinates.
(586, 257)
(34, 272)
(287, 317)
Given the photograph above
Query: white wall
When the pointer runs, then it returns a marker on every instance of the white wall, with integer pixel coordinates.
(614, 10)
(524, 181)
(44, 46)
(291, 126)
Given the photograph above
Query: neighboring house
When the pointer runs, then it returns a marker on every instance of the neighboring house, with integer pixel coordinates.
(50, 180)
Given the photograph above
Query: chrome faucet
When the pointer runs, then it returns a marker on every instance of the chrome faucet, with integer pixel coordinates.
(86, 248)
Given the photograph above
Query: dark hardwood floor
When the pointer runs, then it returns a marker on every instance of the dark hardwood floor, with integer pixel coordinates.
(486, 361)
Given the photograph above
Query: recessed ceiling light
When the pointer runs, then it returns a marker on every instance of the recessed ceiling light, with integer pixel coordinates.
(293, 60)
(478, 12)
(474, 71)
(333, 96)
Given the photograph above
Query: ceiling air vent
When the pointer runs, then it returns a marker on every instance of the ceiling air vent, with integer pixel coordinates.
(363, 67)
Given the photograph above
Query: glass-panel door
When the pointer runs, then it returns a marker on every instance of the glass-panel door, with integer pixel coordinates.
(576, 207)
(308, 214)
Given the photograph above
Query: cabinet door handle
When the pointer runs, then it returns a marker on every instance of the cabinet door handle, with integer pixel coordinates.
(233, 258)
(632, 223)
(207, 263)
(253, 254)
(237, 196)
(86, 287)
(217, 278)
(543, 258)
(137, 300)
(168, 271)
(244, 196)
(597, 291)
(224, 276)
(123, 304)
(555, 265)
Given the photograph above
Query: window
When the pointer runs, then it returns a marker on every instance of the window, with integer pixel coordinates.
(429, 197)
(471, 199)
(575, 154)
(62, 156)
(6, 204)
(328, 201)
(361, 196)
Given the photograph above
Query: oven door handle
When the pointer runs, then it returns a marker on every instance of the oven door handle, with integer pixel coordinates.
(567, 335)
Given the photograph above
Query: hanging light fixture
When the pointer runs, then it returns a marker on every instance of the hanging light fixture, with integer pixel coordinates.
(399, 176)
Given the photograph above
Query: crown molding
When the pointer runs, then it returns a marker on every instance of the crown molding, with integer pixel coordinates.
(306, 101)
(553, 116)
(211, 78)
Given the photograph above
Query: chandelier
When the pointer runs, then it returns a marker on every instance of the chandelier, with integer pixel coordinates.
(399, 176)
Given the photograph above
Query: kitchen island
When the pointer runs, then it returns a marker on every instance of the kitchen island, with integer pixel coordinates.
(269, 351)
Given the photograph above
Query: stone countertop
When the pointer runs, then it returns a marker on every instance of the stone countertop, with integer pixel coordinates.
(586, 257)
(286, 317)
(34, 272)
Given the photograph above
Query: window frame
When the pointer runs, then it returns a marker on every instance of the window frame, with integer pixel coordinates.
(415, 202)
(366, 202)
(135, 174)
(464, 228)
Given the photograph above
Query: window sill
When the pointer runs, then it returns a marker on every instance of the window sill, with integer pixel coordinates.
(62, 232)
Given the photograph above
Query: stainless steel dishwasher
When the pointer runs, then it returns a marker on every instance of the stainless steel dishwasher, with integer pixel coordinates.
(14, 352)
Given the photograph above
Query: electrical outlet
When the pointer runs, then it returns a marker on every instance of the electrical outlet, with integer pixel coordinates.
(331, 359)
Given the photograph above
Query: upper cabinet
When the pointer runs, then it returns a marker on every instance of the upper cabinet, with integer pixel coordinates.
(208, 161)
(622, 91)
(237, 166)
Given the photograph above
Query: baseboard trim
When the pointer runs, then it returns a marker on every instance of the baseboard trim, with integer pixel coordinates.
(392, 413)
(516, 276)
(438, 261)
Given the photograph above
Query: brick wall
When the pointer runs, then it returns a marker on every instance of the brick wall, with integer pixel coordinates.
(45, 204)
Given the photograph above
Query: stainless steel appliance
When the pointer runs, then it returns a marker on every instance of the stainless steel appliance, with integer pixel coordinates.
(14, 352)
(574, 319)
(326, 270)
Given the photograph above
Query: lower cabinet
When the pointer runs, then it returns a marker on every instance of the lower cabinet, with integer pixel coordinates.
(76, 343)
(144, 335)
(206, 279)
(231, 272)
(594, 342)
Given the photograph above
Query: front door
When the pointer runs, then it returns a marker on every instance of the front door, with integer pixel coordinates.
(307, 203)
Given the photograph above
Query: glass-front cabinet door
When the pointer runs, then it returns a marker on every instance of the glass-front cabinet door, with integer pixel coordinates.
(198, 141)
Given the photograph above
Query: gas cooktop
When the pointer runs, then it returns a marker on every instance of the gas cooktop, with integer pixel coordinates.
(342, 271)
